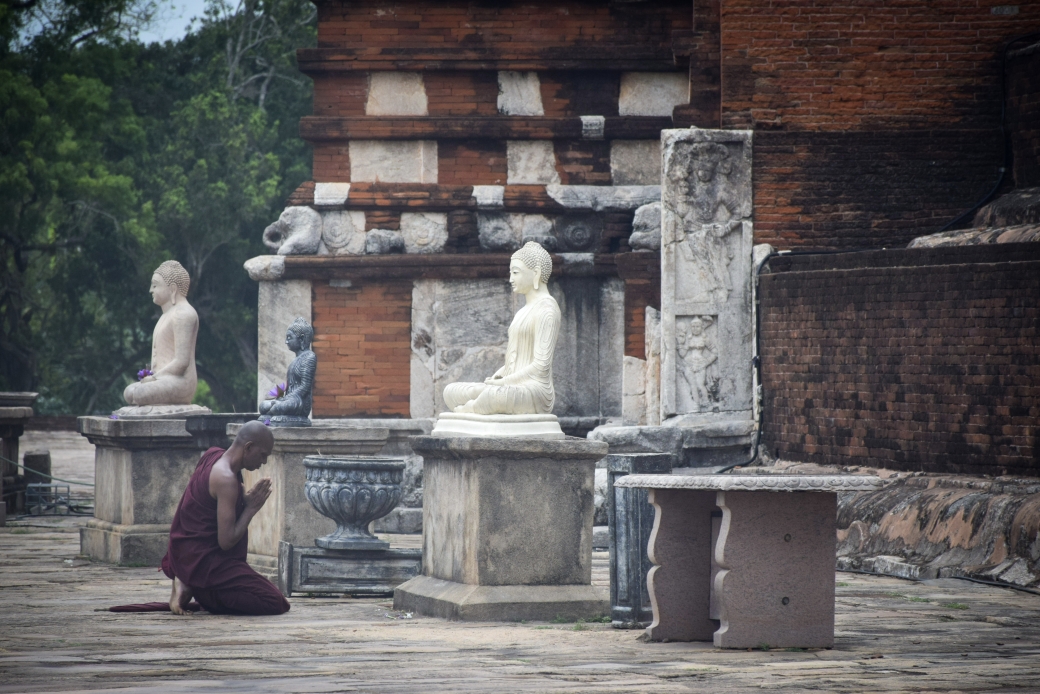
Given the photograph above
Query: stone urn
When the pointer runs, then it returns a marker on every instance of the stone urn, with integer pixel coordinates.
(353, 491)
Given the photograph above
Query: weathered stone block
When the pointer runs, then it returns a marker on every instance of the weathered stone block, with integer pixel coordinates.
(635, 162)
(424, 232)
(392, 161)
(396, 94)
(633, 398)
(331, 193)
(531, 162)
(519, 94)
(507, 523)
(652, 93)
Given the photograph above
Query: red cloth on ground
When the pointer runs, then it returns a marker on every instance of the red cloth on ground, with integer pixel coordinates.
(220, 580)
(152, 607)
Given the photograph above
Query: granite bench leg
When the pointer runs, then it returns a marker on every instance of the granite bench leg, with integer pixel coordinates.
(775, 585)
(680, 548)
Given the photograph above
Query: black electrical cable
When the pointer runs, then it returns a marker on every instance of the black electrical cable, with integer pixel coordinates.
(1004, 134)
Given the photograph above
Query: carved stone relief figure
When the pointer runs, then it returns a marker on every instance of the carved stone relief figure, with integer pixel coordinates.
(710, 209)
(698, 362)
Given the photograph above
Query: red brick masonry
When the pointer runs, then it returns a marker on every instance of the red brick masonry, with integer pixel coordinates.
(911, 359)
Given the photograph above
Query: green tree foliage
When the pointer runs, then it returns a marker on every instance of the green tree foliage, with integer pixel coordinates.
(114, 156)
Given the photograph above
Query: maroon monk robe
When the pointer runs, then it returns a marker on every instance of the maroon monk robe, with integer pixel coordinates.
(220, 580)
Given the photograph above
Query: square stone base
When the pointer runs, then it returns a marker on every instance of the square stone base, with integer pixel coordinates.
(351, 572)
(437, 597)
(130, 545)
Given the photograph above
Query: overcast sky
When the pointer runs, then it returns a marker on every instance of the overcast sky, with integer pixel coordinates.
(173, 20)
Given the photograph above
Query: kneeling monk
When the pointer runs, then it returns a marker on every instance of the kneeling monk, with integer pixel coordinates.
(206, 557)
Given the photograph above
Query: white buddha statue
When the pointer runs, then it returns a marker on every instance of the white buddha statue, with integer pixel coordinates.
(170, 387)
(517, 400)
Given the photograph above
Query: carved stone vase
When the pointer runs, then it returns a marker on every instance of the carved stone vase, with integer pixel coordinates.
(353, 491)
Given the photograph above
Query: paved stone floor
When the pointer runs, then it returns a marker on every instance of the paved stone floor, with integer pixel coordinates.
(892, 635)
(55, 635)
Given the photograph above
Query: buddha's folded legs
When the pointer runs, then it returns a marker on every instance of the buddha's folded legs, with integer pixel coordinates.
(457, 394)
(168, 390)
(490, 399)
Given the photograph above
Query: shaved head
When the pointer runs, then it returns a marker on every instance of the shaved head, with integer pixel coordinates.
(255, 432)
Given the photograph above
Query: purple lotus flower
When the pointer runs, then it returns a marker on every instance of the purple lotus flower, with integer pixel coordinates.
(113, 416)
(142, 373)
(267, 422)
(276, 392)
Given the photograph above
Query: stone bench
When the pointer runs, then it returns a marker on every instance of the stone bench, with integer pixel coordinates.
(760, 573)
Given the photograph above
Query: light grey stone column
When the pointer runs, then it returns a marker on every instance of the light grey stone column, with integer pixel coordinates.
(279, 304)
(707, 328)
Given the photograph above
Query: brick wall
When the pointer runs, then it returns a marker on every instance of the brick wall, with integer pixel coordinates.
(875, 121)
(362, 337)
(1023, 114)
(914, 360)
(867, 189)
(512, 28)
(471, 162)
(332, 163)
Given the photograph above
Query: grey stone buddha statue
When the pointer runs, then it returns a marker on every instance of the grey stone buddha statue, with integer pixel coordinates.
(293, 407)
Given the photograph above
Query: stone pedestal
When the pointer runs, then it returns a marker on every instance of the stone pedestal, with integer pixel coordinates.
(775, 555)
(141, 468)
(360, 573)
(630, 517)
(507, 530)
(288, 516)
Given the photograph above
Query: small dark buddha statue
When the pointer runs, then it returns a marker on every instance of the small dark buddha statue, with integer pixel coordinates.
(293, 407)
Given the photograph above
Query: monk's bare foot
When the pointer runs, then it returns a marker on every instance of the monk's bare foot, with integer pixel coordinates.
(180, 596)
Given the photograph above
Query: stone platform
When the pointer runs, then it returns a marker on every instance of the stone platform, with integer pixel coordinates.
(507, 529)
(892, 635)
(141, 469)
(313, 570)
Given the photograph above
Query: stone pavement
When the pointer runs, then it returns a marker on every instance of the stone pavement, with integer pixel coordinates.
(892, 635)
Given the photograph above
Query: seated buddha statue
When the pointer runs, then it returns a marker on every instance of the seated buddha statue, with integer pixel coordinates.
(173, 379)
(293, 407)
(524, 384)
